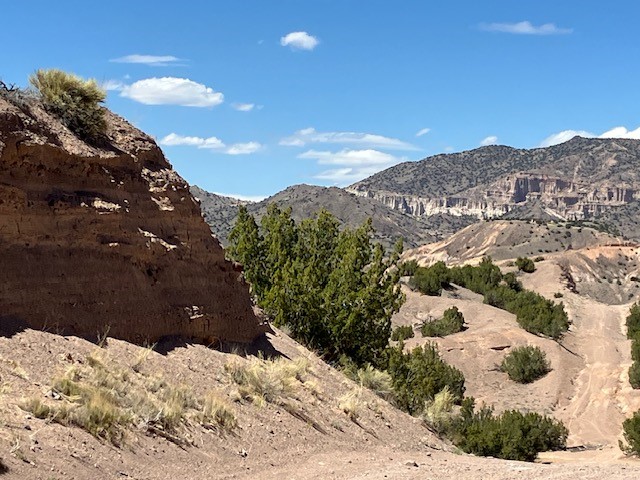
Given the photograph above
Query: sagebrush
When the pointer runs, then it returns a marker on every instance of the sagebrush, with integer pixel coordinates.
(76, 102)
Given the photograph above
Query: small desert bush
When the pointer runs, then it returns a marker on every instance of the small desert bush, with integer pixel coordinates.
(375, 380)
(402, 332)
(634, 375)
(511, 435)
(525, 264)
(419, 375)
(76, 102)
(352, 403)
(271, 381)
(633, 321)
(525, 364)
(631, 429)
(451, 322)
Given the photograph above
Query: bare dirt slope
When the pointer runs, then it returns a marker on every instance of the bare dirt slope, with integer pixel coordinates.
(588, 388)
(269, 443)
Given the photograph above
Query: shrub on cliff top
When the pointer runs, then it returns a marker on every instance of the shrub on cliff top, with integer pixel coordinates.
(76, 102)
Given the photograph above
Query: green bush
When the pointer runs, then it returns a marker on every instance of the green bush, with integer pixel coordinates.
(631, 428)
(525, 264)
(633, 321)
(511, 436)
(635, 348)
(430, 280)
(451, 322)
(525, 364)
(634, 375)
(402, 332)
(76, 102)
(408, 268)
(419, 375)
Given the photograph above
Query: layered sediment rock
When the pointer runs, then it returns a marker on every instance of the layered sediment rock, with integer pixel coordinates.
(95, 239)
(566, 198)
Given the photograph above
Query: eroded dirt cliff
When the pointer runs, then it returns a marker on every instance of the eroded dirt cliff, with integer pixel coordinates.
(108, 238)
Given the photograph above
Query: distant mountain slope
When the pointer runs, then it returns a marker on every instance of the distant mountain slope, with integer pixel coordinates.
(307, 200)
(576, 180)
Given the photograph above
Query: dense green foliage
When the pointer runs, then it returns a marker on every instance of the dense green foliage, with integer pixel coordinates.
(633, 332)
(333, 289)
(419, 375)
(525, 264)
(76, 102)
(533, 312)
(402, 332)
(525, 364)
(631, 428)
(633, 321)
(511, 435)
(408, 268)
(451, 322)
(431, 280)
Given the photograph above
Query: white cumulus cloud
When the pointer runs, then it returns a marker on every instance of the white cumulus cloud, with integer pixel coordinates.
(211, 143)
(243, 107)
(152, 60)
(622, 132)
(243, 148)
(350, 165)
(422, 132)
(566, 135)
(173, 140)
(299, 41)
(490, 140)
(363, 140)
(172, 91)
(526, 28)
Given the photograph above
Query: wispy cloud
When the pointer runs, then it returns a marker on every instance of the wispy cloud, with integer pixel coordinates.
(151, 60)
(112, 85)
(525, 28)
(363, 140)
(243, 107)
(566, 135)
(350, 165)
(422, 132)
(490, 140)
(299, 41)
(172, 91)
(211, 143)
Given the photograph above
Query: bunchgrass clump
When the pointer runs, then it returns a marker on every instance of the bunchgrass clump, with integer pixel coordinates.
(377, 381)
(76, 102)
(270, 381)
(438, 413)
(525, 364)
(106, 401)
(352, 403)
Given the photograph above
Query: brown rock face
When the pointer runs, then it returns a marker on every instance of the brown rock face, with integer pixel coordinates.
(110, 237)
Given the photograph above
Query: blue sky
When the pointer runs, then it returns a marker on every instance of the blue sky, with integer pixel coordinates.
(248, 97)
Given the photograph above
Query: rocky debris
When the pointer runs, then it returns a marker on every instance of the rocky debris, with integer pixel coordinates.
(108, 238)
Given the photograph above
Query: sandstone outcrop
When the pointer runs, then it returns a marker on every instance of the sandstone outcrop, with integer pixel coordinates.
(96, 239)
(581, 179)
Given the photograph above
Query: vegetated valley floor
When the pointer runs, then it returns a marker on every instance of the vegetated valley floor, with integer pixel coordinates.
(306, 433)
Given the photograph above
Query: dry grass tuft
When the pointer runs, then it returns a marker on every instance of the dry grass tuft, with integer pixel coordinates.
(270, 381)
(352, 403)
(216, 413)
(438, 413)
(106, 401)
(377, 381)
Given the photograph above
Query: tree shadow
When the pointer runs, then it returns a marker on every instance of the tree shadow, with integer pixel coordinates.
(11, 325)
